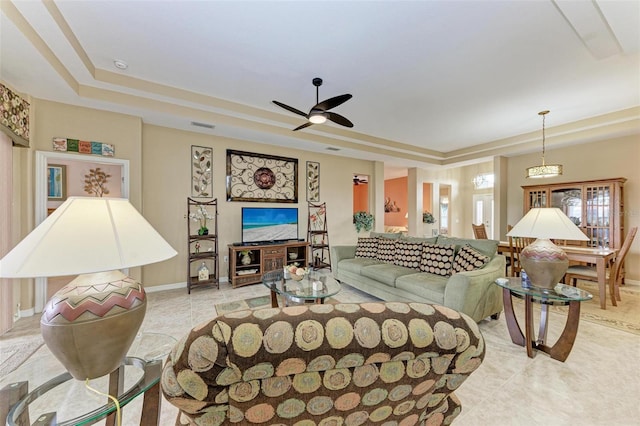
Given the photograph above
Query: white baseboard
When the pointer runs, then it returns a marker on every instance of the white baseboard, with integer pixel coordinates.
(163, 287)
(25, 313)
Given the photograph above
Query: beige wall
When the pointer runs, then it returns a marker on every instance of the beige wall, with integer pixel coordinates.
(160, 181)
(599, 160)
(166, 186)
(123, 131)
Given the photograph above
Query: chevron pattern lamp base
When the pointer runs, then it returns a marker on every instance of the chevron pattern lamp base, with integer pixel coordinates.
(90, 324)
(544, 262)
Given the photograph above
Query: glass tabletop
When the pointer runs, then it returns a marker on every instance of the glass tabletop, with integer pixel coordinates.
(315, 285)
(560, 293)
(73, 404)
(52, 390)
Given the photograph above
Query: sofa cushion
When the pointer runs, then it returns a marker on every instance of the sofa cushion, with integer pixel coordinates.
(426, 285)
(488, 247)
(408, 254)
(469, 259)
(388, 235)
(355, 265)
(386, 273)
(367, 247)
(437, 259)
(386, 250)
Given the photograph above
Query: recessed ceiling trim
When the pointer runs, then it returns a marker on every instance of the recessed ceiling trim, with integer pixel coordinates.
(194, 113)
(9, 9)
(55, 13)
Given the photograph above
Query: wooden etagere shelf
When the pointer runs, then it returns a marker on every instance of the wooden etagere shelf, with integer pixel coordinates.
(318, 237)
(202, 247)
(248, 263)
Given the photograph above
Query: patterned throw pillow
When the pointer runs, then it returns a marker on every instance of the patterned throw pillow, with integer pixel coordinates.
(386, 250)
(469, 259)
(367, 247)
(408, 254)
(437, 259)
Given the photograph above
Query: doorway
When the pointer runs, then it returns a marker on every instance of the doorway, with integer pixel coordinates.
(43, 206)
(360, 193)
(445, 212)
(483, 212)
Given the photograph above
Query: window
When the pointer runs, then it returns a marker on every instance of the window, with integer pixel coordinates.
(483, 181)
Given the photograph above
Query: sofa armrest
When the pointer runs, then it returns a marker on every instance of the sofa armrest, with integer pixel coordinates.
(339, 253)
(465, 290)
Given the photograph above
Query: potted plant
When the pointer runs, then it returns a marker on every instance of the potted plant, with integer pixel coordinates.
(363, 221)
(427, 217)
(201, 215)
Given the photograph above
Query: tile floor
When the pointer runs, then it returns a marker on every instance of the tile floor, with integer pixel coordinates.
(599, 383)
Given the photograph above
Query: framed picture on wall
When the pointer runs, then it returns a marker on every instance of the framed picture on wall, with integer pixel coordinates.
(261, 177)
(313, 181)
(56, 182)
(201, 171)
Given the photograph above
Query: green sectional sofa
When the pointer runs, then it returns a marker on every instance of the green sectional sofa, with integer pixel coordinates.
(454, 272)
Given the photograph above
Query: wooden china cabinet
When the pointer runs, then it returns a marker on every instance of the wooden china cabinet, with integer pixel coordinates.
(595, 206)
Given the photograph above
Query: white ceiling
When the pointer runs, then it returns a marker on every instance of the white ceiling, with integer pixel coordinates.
(433, 82)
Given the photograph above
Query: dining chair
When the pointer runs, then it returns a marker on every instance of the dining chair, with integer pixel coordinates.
(479, 231)
(516, 244)
(614, 272)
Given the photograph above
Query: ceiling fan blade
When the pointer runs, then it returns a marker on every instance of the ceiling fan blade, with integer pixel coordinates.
(288, 108)
(337, 118)
(302, 126)
(332, 102)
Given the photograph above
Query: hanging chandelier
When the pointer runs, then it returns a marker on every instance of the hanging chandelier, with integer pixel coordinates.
(544, 170)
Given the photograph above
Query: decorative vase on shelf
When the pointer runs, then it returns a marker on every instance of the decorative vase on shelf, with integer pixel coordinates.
(245, 258)
(203, 231)
(203, 272)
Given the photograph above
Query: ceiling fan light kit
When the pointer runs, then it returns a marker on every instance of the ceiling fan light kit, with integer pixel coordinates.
(320, 113)
(317, 118)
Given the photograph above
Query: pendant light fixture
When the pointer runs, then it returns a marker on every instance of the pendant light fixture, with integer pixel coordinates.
(544, 170)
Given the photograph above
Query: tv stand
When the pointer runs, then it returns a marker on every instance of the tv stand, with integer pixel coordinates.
(247, 263)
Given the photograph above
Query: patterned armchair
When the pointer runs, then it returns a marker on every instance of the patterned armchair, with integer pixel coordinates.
(342, 364)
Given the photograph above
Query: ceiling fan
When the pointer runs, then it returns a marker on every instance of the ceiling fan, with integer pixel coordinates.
(357, 180)
(320, 113)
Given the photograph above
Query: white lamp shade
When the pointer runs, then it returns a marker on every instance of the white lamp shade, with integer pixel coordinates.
(86, 235)
(548, 223)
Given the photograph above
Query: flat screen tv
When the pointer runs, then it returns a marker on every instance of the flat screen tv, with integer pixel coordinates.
(269, 224)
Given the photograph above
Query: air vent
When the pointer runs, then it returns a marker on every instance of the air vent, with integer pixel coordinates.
(205, 125)
(331, 148)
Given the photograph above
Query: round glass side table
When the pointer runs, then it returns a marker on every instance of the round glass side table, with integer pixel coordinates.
(63, 400)
(561, 295)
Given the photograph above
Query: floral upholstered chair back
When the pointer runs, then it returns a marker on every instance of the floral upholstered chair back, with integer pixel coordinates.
(342, 364)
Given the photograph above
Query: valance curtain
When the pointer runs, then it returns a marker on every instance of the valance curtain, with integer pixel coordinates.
(14, 116)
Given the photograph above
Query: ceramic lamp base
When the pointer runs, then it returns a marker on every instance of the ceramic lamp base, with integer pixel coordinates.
(90, 324)
(544, 262)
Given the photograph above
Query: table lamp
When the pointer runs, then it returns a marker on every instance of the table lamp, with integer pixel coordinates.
(90, 323)
(545, 262)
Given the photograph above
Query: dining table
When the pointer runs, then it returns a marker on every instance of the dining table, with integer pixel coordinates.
(601, 257)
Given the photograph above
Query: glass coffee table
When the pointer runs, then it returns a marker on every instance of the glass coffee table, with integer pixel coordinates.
(562, 295)
(303, 291)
